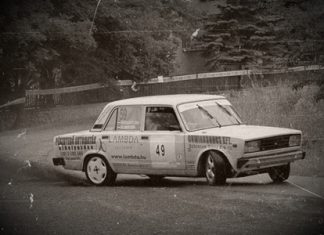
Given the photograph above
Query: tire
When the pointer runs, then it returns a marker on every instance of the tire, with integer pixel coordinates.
(279, 174)
(99, 172)
(215, 169)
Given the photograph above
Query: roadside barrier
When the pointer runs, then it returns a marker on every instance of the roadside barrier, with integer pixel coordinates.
(192, 83)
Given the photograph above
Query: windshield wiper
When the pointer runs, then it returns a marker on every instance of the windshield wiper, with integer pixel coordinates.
(228, 112)
(208, 114)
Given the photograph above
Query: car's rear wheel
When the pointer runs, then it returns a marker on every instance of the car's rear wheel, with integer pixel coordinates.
(99, 172)
(215, 169)
(279, 174)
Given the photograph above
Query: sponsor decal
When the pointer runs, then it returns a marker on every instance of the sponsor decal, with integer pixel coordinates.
(123, 139)
(198, 146)
(136, 157)
(191, 167)
(73, 147)
(101, 148)
(122, 113)
(197, 139)
(135, 165)
(127, 125)
(128, 118)
(72, 155)
(75, 140)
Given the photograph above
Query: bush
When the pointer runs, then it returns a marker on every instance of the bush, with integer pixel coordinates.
(283, 106)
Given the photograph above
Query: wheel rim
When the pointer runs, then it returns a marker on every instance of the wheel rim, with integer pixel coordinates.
(97, 170)
(210, 168)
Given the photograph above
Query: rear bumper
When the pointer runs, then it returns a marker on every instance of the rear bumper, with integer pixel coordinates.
(59, 161)
(265, 161)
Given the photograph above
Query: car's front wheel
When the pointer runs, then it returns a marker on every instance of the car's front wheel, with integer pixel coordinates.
(99, 172)
(279, 174)
(215, 169)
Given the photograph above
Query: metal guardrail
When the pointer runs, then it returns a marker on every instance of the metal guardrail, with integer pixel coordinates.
(36, 98)
(64, 89)
(246, 72)
(14, 102)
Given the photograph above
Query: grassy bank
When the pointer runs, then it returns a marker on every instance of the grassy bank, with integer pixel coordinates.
(282, 106)
(62, 115)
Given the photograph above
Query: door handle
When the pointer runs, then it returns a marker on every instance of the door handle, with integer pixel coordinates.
(144, 137)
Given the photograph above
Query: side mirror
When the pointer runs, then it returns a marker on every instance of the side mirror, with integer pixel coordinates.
(174, 128)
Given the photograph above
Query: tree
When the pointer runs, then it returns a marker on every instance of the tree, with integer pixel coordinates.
(41, 39)
(140, 35)
(33, 41)
(263, 34)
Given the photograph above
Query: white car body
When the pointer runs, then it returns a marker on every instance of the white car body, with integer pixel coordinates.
(130, 146)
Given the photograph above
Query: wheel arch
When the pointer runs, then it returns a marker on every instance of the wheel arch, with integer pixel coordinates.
(88, 156)
(202, 160)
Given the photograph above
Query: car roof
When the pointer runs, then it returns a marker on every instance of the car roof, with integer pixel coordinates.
(166, 99)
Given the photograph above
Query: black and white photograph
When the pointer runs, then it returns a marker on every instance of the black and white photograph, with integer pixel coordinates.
(161, 117)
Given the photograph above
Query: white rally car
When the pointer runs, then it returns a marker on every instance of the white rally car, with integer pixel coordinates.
(177, 135)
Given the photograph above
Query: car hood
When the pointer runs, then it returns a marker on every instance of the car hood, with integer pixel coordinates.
(247, 132)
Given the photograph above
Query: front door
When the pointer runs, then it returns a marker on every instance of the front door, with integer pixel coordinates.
(164, 139)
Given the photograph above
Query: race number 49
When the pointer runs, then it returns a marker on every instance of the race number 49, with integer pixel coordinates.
(160, 150)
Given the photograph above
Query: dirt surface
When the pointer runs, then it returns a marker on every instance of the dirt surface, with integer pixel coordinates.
(37, 198)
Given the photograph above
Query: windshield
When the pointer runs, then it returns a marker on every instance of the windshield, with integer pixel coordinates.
(208, 114)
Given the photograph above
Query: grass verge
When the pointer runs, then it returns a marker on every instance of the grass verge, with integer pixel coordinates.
(283, 106)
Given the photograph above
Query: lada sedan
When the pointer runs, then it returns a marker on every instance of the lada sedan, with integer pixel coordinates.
(177, 135)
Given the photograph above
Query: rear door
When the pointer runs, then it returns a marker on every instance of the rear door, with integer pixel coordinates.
(121, 139)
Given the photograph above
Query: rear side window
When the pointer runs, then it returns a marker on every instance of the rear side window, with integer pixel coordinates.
(128, 118)
(161, 119)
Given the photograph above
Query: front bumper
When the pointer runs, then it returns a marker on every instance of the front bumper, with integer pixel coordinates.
(265, 161)
(59, 161)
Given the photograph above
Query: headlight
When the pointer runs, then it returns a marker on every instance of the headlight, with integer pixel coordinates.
(252, 146)
(294, 140)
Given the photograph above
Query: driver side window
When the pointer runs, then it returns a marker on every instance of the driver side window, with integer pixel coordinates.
(161, 119)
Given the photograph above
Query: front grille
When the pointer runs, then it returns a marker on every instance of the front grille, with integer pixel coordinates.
(275, 142)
